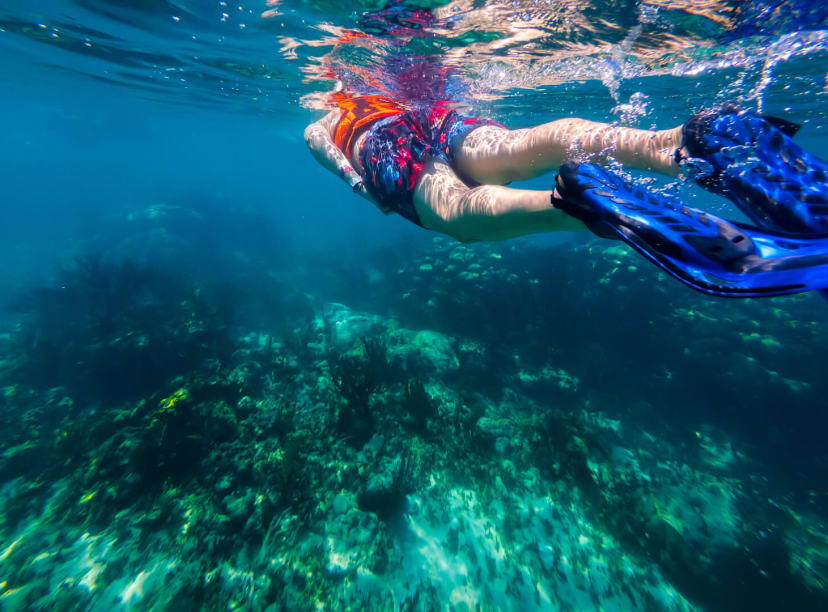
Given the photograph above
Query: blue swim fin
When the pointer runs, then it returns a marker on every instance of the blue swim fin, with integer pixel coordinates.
(710, 254)
(755, 163)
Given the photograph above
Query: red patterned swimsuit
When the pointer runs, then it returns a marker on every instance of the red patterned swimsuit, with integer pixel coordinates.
(400, 140)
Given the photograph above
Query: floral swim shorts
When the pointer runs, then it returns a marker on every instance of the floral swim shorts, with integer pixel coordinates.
(396, 149)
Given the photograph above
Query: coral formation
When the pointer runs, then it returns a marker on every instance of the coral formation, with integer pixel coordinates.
(486, 439)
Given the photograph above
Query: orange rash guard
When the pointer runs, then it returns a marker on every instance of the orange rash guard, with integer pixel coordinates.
(359, 114)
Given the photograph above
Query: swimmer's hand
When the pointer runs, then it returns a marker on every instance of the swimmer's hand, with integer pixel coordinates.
(354, 179)
(358, 185)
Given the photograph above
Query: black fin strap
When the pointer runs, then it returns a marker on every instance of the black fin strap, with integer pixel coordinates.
(789, 128)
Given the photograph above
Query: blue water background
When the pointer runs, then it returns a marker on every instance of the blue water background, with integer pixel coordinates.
(79, 156)
(85, 142)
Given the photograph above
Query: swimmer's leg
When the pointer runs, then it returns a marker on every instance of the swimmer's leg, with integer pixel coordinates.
(446, 204)
(494, 155)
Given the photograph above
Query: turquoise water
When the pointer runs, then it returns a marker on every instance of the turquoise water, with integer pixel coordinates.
(229, 383)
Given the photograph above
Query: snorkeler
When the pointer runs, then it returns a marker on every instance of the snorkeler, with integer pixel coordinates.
(408, 151)
(446, 172)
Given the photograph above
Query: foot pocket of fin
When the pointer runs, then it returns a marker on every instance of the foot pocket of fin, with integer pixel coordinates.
(756, 164)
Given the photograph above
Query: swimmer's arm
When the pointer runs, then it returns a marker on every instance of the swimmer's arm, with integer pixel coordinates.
(318, 138)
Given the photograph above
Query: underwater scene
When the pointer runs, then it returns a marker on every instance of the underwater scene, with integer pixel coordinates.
(229, 382)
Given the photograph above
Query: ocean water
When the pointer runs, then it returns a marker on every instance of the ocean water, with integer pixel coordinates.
(227, 382)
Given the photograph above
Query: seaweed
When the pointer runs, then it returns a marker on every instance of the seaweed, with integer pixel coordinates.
(109, 331)
(417, 406)
(356, 381)
(386, 490)
(375, 348)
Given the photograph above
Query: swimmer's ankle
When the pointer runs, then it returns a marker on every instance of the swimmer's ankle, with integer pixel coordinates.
(672, 147)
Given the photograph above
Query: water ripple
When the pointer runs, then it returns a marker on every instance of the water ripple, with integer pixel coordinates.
(270, 56)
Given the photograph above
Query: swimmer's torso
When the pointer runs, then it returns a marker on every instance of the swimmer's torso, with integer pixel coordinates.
(355, 117)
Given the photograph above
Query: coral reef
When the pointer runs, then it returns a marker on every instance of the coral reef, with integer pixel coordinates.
(497, 433)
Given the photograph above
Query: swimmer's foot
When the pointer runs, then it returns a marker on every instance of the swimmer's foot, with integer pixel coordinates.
(710, 254)
(754, 162)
